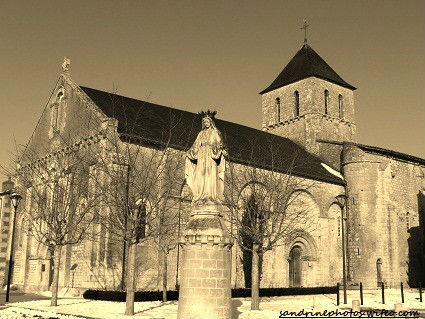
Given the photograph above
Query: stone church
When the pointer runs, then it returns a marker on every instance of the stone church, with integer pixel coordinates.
(367, 201)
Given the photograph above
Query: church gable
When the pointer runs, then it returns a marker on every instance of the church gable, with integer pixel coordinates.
(68, 116)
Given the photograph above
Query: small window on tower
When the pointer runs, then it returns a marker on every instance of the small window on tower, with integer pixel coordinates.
(326, 101)
(340, 107)
(297, 103)
(277, 109)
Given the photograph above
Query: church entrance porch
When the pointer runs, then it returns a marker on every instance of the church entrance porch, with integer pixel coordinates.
(302, 267)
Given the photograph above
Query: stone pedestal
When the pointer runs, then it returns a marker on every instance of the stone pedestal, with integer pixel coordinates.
(205, 290)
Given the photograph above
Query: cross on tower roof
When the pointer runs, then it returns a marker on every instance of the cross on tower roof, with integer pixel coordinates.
(305, 26)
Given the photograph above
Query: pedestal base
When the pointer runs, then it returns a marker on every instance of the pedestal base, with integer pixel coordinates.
(205, 289)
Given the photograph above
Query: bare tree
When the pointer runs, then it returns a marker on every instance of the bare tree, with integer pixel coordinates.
(265, 208)
(60, 207)
(137, 181)
(122, 186)
(167, 240)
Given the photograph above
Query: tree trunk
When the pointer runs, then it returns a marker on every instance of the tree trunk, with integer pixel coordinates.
(255, 287)
(55, 283)
(131, 280)
(164, 276)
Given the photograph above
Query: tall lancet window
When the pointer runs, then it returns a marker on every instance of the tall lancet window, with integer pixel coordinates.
(278, 110)
(326, 101)
(297, 103)
(340, 107)
(56, 108)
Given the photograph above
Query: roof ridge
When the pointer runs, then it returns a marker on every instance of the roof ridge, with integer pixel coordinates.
(134, 99)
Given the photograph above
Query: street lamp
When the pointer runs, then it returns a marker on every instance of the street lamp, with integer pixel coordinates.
(342, 203)
(15, 198)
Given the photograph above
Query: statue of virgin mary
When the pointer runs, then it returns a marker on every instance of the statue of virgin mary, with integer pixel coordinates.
(205, 164)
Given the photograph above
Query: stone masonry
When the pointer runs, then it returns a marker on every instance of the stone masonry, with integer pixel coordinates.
(385, 210)
(205, 290)
(385, 189)
(312, 123)
(386, 205)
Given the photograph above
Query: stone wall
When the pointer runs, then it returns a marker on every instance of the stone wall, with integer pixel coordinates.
(81, 266)
(382, 193)
(77, 118)
(318, 238)
(319, 265)
(312, 124)
(319, 242)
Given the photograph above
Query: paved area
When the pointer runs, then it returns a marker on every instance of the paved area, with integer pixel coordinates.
(270, 307)
(17, 296)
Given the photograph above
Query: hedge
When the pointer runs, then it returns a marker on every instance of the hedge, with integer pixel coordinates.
(113, 295)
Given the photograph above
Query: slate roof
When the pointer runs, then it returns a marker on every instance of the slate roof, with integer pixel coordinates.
(304, 64)
(144, 122)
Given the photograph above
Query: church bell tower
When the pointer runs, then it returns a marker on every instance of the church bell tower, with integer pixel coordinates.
(310, 103)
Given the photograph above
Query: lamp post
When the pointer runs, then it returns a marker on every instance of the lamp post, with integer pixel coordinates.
(15, 198)
(342, 201)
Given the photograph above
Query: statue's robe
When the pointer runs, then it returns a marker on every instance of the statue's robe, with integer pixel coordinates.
(205, 166)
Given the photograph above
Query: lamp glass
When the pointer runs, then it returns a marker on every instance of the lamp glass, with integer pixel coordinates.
(15, 198)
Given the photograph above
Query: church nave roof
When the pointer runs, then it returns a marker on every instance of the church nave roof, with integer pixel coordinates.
(148, 123)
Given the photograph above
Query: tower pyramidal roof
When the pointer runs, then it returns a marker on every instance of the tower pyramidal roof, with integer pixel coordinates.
(304, 64)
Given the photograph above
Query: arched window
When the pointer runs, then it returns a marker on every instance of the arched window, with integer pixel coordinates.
(297, 103)
(94, 243)
(141, 221)
(56, 108)
(21, 233)
(407, 221)
(326, 101)
(340, 107)
(102, 243)
(56, 111)
(277, 109)
(252, 218)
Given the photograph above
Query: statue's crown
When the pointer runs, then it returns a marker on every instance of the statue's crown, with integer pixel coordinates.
(208, 113)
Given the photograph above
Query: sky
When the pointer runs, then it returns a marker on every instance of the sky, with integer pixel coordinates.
(195, 55)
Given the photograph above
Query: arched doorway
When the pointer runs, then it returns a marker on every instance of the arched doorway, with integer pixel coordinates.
(295, 267)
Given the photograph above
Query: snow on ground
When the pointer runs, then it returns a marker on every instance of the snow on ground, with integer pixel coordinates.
(270, 307)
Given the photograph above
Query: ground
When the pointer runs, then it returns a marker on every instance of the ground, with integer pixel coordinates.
(74, 308)
(19, 296)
